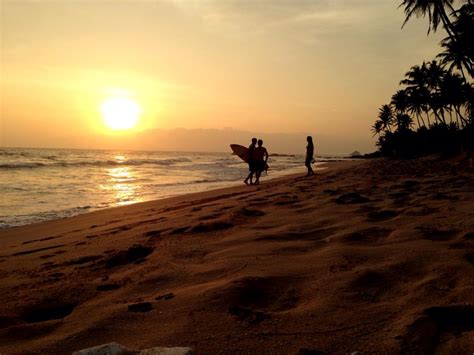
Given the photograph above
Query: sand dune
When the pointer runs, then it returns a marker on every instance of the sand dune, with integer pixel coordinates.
(376, 257)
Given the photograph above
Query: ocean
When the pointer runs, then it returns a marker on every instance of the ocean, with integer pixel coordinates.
(44, 184)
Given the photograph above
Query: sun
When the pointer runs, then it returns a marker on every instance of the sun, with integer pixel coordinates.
(120, 113)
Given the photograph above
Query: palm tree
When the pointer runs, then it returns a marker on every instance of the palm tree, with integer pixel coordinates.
(403, 122)
(459, 30)
(417, 89)
(470, 103)
(386, 117)
(434, 76)
(436, 11)
(415, 77)
(377, 128)
(453, 56)
(401, 103)
(454, 91)
(417, 104)
(464, 29)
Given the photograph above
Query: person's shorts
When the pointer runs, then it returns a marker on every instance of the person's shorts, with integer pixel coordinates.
(253, 166)
(260, 166)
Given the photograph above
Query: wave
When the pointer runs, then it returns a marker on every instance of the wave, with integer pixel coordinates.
(99, 163)
(283, 155)
(21, 165)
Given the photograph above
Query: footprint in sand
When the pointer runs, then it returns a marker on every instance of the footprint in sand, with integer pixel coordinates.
(48, 266)
(248, 315)
(443, 196)
(165, 297)
(47, 256)
(382, 215)
(435, 234)
(26, 252)
(369, 235)
(246, 212)
(331, 192)
(47, 310)
(469, 236)
(211, 227)
(155, 233)
(208, 216)
(55, 277)
(134, 254)
(140, 307)
(423, 336)
(470, 257)
(370, 285)
(179, 230)
(421, 211)
(305, 235)
(108, 287)
(306, 351)
(351, 198)
(39, 240)
(399, 195)
(83, 260)
(253, 298)
(410, 185)
(292, 250)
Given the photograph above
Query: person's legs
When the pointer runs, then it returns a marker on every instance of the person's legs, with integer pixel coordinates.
(310, 169)
(250, 175)
(249, 179)
(257, 177)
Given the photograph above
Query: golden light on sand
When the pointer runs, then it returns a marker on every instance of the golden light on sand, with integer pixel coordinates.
(120, 113)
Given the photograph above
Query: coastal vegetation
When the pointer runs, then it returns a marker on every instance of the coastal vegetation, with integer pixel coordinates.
(434, 109)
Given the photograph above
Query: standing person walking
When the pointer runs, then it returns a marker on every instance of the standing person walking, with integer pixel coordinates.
(251, 162)
(261, 157)
(309, 155)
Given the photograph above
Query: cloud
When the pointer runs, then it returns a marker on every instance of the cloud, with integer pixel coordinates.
(305, 22)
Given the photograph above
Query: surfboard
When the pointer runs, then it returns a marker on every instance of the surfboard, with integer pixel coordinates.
(242, 152)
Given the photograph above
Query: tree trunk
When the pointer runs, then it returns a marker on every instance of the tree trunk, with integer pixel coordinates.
(428, 118)
(463, 120)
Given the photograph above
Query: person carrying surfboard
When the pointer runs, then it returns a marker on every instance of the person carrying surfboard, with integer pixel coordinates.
(251, 162)
(260, 157)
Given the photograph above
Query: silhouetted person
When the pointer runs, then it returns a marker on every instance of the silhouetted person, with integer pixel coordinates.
(260, 158)
(251, 162)
(309, 155)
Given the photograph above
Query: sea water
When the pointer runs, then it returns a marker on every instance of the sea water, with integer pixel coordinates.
(45, 184)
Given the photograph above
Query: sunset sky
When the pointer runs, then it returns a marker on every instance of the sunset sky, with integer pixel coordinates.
(318, 67)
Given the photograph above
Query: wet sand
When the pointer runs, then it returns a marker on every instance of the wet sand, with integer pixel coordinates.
(373, 256)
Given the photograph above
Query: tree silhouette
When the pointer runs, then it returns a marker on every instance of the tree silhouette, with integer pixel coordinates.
(438, 90)
(434, 9)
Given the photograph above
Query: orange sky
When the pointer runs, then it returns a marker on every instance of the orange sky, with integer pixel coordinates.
(311, 67)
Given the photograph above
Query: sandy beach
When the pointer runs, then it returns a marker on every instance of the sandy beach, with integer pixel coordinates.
(370, 256)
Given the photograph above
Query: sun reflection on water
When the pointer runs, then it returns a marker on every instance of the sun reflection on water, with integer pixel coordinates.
(121, 183)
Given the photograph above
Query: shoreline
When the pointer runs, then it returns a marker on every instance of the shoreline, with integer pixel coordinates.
(323, 166)
(374, 256)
